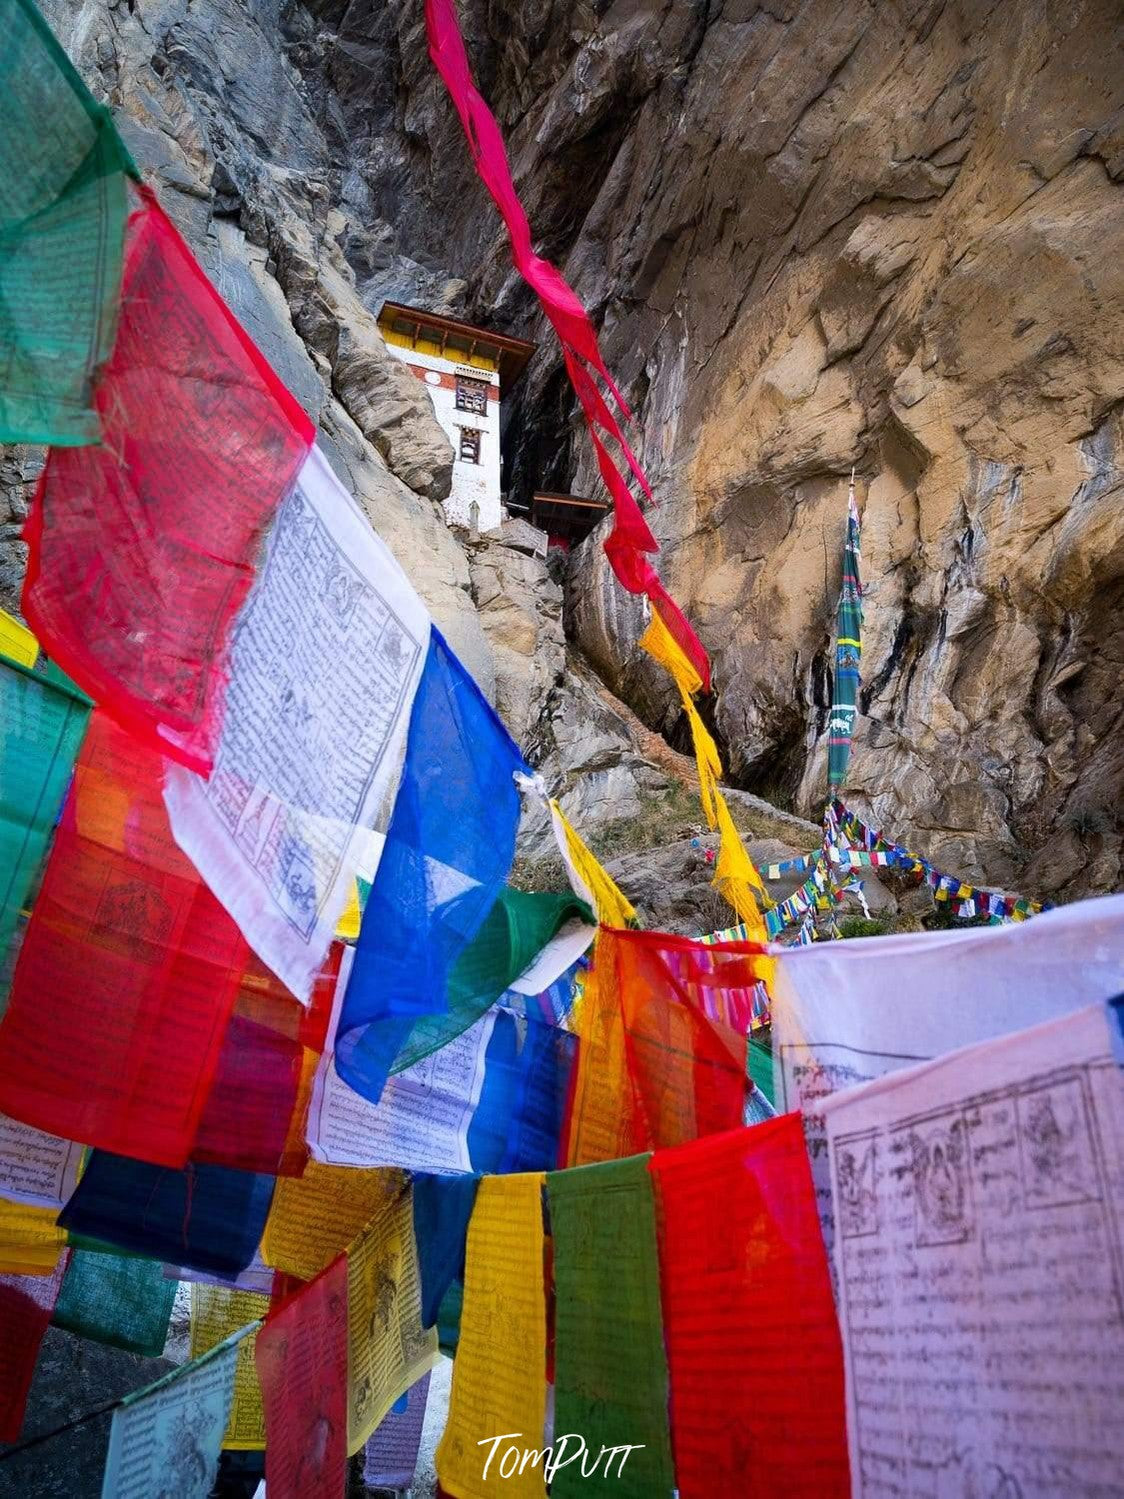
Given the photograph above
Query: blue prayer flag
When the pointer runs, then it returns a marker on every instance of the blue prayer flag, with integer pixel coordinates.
(448, 851)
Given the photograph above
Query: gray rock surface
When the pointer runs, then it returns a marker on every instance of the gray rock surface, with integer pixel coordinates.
(72, 1377)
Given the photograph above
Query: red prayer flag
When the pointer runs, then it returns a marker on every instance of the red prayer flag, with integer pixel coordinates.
(754, 1352)
(128, 971)
(142, 550)
(26, 1305)
(663, 1023)
(631, 537)
(301, 1355)
(257, 1107)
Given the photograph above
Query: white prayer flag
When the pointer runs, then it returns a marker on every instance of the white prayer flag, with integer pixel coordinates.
(326, 656)
(421, 1120)
(979, 1201)
(846, 1012)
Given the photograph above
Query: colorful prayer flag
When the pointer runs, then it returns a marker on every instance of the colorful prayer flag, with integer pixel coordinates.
(631, 537)
(116, 1299)
(325, 659)
(142, 549)
(216, 1312)
(207, 1217)
(752, 1342)
(43, 724)
(610, 1369)
(302, 1364)
(127, 973)
(391, 1454)
(499, 1376)
(63, 170)
(26, 1303)
(448, 851)
(388, 1350)
(172, 1429)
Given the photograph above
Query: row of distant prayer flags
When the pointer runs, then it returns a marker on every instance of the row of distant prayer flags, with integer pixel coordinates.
(856, 846)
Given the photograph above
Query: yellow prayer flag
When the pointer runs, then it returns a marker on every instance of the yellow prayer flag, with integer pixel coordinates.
(17, 642)
(592, 882)
(315, 1217)
(601, 1110)
(216, 1312)
(499, 1375)
(347, 928)
(388, 1350)
(663, 648)
(30, 1239)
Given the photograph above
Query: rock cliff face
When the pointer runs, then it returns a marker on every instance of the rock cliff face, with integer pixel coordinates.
(815, 236)
(820, 236)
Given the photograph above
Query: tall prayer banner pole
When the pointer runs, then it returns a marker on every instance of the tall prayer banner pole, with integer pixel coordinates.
(848, 653)
(844, 698)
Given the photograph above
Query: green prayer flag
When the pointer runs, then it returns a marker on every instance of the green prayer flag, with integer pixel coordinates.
(514, 932)
(116, 1299)
(610, 1368)
(41, 727)
(761, 1068)
(63, 204)
(449, 1318)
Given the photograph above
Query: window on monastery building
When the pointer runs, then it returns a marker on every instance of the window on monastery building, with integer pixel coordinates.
(470, 445)
(472, 395)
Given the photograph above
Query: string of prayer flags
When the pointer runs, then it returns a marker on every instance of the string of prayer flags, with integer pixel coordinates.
(759, 1005)
(301, 1357)
(442, 1210)
(848, 1012)
(216, 1312)
(44, 722)
(590, 881)
(31, 1240)
(971, 1193)
(324, 664)
(26, 1303)
(36, 1168)
(173, 1427)
(207, 1217)
(391, 1455)
(62, 220)
(516, 931)
(388, 1350)
(127, 973)
(499, 1376)
(519, 1123)
(552, 1005)
(119, 588)
(966, 900)
(116, 1299)
(735, 874)
(448, 851)
(610, 1368)
(317, 1215)
(256, 1111)
(848, 651)
(631, 538)
(752, 1341)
